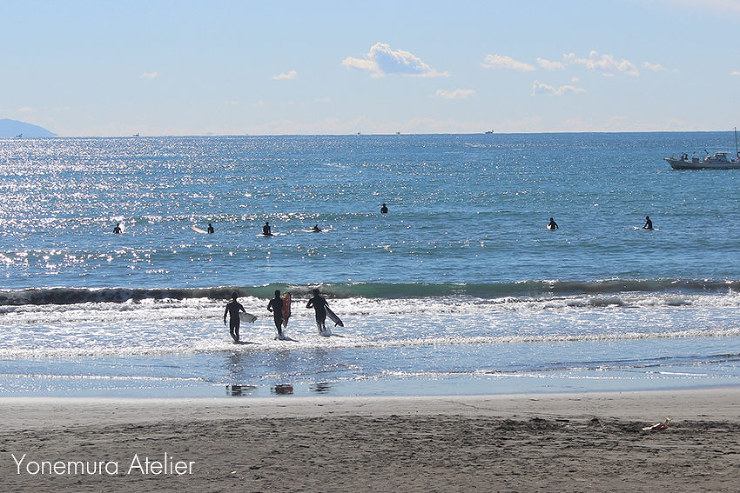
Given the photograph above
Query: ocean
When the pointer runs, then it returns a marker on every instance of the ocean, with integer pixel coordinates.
(459, 289)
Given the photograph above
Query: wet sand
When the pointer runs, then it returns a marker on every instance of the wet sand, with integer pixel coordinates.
(553, 442)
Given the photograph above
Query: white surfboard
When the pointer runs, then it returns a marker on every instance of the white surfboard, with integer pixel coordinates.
(247, 317)
(198, 230)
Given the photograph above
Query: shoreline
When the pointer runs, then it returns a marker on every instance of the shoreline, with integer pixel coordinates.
(526, 442)
(718, 403)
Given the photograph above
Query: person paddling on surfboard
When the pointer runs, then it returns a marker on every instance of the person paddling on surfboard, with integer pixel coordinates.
(648, 223)
(266, 229)
(233, 308)
(319, 304)
(276, 307)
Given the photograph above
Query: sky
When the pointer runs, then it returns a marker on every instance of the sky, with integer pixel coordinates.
(154, 67)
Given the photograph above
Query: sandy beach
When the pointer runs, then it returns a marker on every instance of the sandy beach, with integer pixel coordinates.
(550, 442)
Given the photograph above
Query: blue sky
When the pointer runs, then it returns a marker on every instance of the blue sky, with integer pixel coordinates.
(111, 68)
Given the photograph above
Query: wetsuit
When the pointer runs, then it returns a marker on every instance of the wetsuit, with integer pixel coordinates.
(319, 304)
(233, 308)
(276, 307)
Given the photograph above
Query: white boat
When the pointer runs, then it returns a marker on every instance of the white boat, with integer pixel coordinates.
(718, 160)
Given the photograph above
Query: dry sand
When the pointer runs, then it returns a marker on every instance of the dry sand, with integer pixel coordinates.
(559, 442)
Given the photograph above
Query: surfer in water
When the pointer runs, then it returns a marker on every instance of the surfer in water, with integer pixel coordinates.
(384, 209)
(117, 230)
(319, 304)
(233, 308)
(266, 229)
(276, 307)
(552, 224)
(316, 229)
(648, 223)
(210, 229)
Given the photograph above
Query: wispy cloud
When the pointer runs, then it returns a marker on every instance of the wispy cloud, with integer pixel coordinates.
(456, 94)
(382, 60)
(721, 6)
(655, 67)
(605, 63)
(550, 65)
(149, 75)
(286, 75)
(503, 61)
(539, 88)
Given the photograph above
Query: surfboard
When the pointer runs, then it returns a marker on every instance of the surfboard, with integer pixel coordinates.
(334, 318)
(286, 308)
(198, 230)
(247, 317)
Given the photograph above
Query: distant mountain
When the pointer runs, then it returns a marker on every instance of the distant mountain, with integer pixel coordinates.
(14, 128)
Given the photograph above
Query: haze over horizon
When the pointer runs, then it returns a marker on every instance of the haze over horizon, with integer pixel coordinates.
(108, 68)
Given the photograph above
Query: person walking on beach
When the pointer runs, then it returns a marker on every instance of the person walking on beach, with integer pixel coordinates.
(384, 209)
(319, 304)
(276, 307)
(648, 223)
(552, 224)
(233, 308)
(266, 229)
(210, 229)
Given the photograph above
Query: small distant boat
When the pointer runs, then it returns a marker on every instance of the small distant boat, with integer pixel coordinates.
(488, 132)
(718, 160)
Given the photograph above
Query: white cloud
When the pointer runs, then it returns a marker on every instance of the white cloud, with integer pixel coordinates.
(149, 75)
(456, 94)
(322, 100)
(286, 75)
(655, 67)
(542, 88)
(26, 109)
(503, 61)
(382, 60)
(606, 63)
(735, 72)
(550, 65)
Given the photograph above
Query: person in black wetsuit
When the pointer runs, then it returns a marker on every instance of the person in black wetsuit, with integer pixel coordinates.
(384, 209)
(117, 230)
(276, 307)
(233, 308)
(319, 304)
(210, 229)
(266, 229)
(648, 223)
(552, 224)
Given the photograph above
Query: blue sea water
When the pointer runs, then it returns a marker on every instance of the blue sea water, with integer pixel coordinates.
(460, 288)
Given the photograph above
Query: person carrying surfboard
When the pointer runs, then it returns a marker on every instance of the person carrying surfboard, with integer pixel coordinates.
(233, 308)
(276, 307)
(319, 304)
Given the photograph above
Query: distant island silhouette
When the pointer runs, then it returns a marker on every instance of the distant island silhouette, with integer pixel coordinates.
(14, 128)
